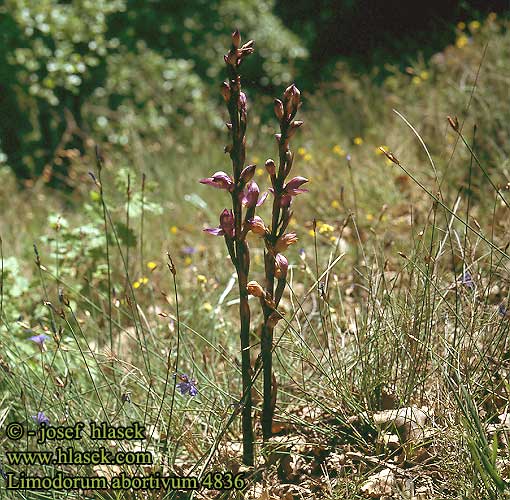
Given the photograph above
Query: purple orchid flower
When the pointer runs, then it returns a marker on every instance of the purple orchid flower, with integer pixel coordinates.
(291, 189)
(250, 197)
(219, 180)
(226, 227)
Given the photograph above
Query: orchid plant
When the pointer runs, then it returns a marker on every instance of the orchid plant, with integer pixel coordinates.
(237, 222)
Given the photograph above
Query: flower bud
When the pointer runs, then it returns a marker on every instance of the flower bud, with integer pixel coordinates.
(251, 195)
(230, 58)
(242, 102)
(247, 173)
(281, 266)
(236, 39)
(295, 125)
(291, 99)
(288, 92)
(225, 91)
(296, 98)
(227, 222)
(255, 289)
(270, 167)
(278, 109)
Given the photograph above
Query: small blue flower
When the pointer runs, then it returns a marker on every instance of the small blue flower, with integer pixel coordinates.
(187, 385)
(502, 310)
(467, 280)
(39, 339)
(41, 418)
(189, 250)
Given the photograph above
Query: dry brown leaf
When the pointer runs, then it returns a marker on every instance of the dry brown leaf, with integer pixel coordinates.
(379, 484)
(409, 421)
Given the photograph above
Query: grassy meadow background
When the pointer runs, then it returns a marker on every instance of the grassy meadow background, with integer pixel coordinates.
(392, 363)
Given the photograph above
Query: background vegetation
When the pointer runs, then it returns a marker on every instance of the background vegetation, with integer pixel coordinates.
(399, 290)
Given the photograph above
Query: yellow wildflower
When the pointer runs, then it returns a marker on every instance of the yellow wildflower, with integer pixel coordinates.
(416, 80)
(335, 204)
(201, 278)
(311, 232)
(338, 150)
(424, 75)
(358, 141)
(370, 217)
(461, 26)
(326, 228)
(333, 239)
(307, 157)
(174, 230)
(207, 307)
(255, 159)
(301, 151)
(151, 265)
(187, 261)
(260, 172)
(388, 162)
(462, 41)
(474, 25)
(136, 284)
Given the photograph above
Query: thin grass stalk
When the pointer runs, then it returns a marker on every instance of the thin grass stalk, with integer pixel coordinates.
(99, 165)
(173, 271)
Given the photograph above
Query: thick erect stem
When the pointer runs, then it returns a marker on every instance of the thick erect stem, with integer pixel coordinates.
(238, 110)
(244, 314)
(276, 241)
